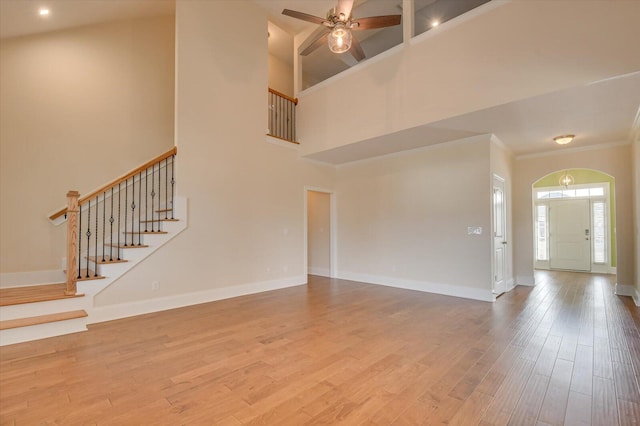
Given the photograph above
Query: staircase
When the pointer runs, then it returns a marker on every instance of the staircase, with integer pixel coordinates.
(112, 247)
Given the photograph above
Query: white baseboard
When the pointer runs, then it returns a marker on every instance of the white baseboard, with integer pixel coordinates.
(22, 279)
(604, 269)
(636, 297)
(322, 272)
(485, 295)
(627, 290)
(527, 280)
(124, 310)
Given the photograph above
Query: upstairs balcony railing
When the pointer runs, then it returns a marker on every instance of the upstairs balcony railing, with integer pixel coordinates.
(282, 116)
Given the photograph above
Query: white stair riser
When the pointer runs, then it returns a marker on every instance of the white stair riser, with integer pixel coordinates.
(42, 331)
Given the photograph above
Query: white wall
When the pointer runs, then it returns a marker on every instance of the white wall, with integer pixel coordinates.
(79, 108)
(403, 218)
(615, 161)
(487, 60)
(246, 196)
(319, 233)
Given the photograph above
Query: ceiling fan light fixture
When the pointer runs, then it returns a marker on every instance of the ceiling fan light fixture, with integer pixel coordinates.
(339, 39)
(563, 140)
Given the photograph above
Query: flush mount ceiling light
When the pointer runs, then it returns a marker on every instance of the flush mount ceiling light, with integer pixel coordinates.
(563, 140)
(43, 11)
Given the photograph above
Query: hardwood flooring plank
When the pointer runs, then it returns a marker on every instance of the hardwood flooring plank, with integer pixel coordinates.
(334, 351)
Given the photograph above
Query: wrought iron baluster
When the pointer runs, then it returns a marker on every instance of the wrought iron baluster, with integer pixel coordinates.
(111, 220)
(119, 197)
(159, 195)
(293, 136)
(146, 198)
(88, 234)
(95, 250)
(80, 243)
(173, 182)
(166, 186)
(139, 207)
(104, 221)
(153, 196)
(126, 204)
(133, 208)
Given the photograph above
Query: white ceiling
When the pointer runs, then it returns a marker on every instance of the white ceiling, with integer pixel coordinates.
(602, 112)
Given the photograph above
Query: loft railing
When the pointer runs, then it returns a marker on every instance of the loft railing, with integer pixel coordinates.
(116, 215)
(282, 116)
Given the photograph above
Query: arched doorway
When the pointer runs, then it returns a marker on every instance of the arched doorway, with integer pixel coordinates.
(574, 221)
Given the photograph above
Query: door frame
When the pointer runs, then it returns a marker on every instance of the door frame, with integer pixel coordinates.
(596, 268)
(333, 233)
(505, 273)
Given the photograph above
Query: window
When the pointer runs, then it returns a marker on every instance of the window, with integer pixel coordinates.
(599, 227)
(541, 233)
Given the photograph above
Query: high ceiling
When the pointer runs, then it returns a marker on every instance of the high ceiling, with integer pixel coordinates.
(601, 112)
(20, 17)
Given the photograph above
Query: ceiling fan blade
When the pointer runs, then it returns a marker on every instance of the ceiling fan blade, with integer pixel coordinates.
(344, 6)
(304, 16)
(319, 40)
(376, 22)
(356, 50)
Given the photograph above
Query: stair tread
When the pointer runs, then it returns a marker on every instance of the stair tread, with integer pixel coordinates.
(160, 220)
(145, 232)
(105, 261)
(34, 293)
(128, 246)
(42, 319)
(83, 275)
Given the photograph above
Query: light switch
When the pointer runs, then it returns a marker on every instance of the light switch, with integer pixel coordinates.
(474, 230)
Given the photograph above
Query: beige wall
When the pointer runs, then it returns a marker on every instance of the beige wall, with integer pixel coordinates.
(615, 161)
(489, 60)
(280, 76)
(319, 233)
(404, 218)
(78, 108)
(246, 196)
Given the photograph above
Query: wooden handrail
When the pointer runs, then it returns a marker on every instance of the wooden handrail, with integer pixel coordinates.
(123, 178)
(282, 95)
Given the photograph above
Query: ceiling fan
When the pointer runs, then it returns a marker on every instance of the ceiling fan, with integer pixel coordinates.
(338, 26)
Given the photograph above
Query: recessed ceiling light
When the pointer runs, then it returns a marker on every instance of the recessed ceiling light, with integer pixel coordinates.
(563, 140)
(43, 11)
(435, 23)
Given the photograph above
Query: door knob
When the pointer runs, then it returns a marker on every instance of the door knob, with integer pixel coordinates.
(504, 242)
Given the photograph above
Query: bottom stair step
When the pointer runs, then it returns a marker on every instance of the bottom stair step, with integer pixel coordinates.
(42, 319)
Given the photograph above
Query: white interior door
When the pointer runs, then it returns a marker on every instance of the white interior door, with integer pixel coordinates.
(499, 237)
(569, 235)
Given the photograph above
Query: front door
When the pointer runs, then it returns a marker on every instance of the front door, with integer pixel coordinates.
(499, 237)
(569, 235)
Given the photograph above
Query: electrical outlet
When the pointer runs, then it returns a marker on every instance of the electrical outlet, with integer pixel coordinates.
(155, 285)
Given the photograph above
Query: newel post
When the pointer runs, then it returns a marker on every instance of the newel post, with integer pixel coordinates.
(72, 241)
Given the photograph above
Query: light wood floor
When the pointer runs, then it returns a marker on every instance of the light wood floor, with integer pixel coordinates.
(564, 352)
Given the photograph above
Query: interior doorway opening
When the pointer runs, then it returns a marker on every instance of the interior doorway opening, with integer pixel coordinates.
(320, 238)
(574, 221)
